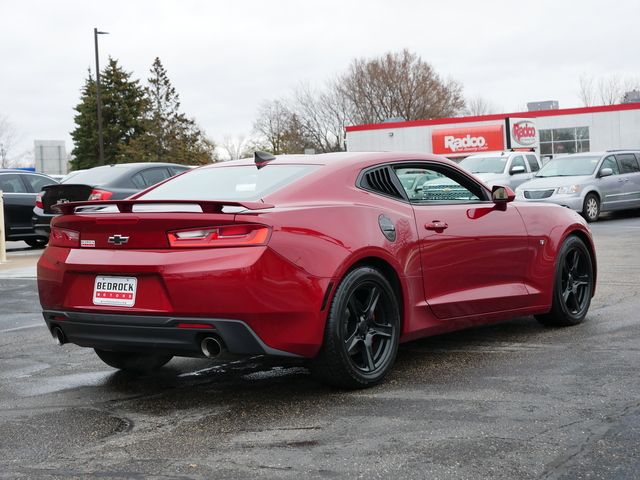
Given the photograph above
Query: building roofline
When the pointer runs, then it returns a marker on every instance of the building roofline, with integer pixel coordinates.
(497, 116)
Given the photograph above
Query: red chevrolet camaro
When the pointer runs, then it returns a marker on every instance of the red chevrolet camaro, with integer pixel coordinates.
(336, 258)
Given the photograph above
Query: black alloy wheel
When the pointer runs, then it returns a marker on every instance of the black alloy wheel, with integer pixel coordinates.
(573, 285)
(362, 331)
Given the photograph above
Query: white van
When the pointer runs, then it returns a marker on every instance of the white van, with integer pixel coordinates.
(502, 168)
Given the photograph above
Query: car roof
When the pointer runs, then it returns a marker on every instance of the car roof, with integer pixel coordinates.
(339, 160)
(27, 172)
(141, 164)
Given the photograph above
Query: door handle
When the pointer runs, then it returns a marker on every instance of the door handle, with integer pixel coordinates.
(436, 225)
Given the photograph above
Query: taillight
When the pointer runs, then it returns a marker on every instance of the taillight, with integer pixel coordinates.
(62, 237)
(223, 236)
(39, 200)
(97, 194)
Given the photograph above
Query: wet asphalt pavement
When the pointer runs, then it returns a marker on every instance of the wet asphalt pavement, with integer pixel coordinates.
(514, 400)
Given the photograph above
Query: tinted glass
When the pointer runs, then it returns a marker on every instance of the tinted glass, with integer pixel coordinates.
(610, 162)
(12, 184)
(484, 164)
(152, 176)
(440, 188)
(569, 166)
(628, 163)
(533, 163)
(138, 181)
(229, 183)
(518, 162)
(38, 181)
(97, 175)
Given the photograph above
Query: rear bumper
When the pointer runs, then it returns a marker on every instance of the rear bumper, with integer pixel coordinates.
(41, 222)
(278, 301)
(156, 333)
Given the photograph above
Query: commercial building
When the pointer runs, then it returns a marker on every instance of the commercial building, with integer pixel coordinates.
(548, 132)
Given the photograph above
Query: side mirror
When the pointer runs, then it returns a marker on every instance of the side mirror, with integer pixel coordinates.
(605, 172)
(502, 195)
(517, 169)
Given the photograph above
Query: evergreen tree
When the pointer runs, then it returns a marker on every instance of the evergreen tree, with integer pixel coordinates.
(170, 136)
(124, 105)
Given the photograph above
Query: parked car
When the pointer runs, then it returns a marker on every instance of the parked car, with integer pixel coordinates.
(589, 183)
(502, 168)
(414, 180)
(324, 257)
(19, 194)
(99, 183)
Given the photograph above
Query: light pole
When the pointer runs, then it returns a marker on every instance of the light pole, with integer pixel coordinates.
(98, 102)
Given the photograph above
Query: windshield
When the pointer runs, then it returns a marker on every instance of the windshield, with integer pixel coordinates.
(240, 183)
(484, 164)
(569, 166)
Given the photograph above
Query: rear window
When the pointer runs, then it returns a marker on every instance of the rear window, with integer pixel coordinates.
(96, 176)
(229, 183)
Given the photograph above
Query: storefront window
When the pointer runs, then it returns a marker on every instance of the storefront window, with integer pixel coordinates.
(556, 141)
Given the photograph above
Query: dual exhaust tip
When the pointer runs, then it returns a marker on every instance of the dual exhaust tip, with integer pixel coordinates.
(58, 336)
(211, 347)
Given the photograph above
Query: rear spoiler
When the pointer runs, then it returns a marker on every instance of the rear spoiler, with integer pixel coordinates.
(126, 206)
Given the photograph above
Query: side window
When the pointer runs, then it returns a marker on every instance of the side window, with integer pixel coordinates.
(610, 162)
(628, 163)
(438, 184)
(37, 182)
(518, 162)
(533, 163)
(12, 184)
(152, 176)
(138, 181)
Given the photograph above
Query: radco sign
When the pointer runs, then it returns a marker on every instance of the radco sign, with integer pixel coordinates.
(455, 141)
(523, 133)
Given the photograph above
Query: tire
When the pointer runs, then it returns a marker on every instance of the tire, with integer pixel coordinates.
(133, 362)
(573, 285)
(38, 242)
(591, 207)
(362, 332)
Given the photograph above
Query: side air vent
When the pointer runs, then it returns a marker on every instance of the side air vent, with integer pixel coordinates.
(379, 180)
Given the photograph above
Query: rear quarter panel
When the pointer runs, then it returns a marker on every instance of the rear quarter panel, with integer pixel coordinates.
(548, 225)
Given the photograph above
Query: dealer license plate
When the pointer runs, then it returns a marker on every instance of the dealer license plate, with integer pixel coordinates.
(115, 291)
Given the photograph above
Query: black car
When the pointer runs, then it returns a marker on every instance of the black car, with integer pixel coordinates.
(19, 194)
(113, 182)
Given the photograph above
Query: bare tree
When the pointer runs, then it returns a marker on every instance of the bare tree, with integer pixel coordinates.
(399, 85)
(281, 128)
(234, 146)
(610, 90)
(587, 90)
(8, 139)
(323, 115)
(478, 105)
(607, 90)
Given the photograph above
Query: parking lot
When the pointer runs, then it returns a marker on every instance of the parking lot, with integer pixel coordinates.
(514, 400)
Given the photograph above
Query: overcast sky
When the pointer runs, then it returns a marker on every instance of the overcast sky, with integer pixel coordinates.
(225, 57)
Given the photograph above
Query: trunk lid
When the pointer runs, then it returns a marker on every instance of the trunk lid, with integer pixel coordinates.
(64, 193)
(144, 224)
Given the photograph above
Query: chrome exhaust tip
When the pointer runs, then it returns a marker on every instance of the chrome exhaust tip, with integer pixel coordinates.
(58, 336)
(211, 347)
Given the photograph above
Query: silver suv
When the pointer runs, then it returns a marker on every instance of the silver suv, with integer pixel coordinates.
(502, 168)
(588, 183)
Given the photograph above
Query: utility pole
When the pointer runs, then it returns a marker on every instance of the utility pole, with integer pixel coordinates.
(98, 100)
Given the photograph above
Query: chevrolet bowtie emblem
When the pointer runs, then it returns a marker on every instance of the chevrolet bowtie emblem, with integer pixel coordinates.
(118, 239)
